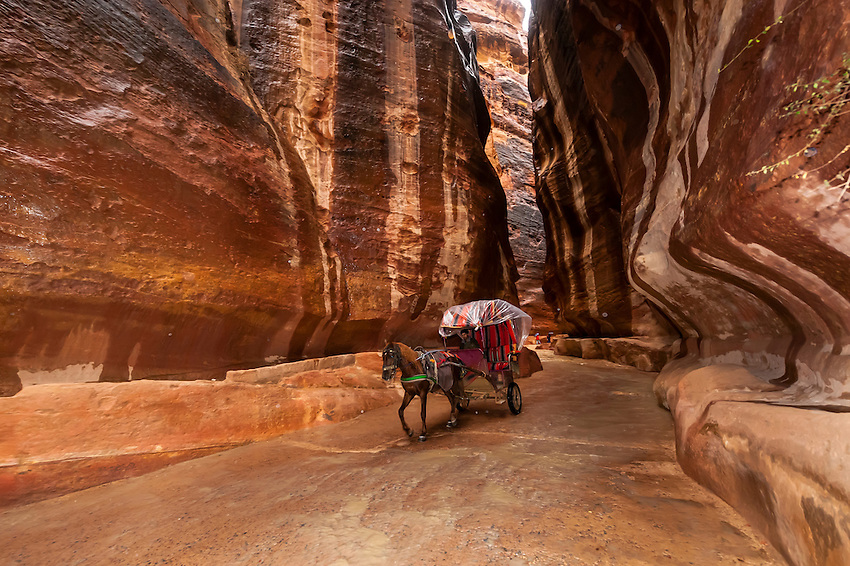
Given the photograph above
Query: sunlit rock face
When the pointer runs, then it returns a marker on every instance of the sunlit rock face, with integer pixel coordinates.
(685, 148)
(65, 437)
(503, 68)
(191, 186)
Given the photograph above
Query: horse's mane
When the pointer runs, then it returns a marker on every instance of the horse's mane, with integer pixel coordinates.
(407, 353)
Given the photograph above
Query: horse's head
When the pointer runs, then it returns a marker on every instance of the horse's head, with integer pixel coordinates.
(391, 361)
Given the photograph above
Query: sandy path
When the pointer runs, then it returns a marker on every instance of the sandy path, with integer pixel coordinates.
(586, 474)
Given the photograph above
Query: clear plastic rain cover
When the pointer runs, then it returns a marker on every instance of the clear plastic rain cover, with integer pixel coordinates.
(483, 313)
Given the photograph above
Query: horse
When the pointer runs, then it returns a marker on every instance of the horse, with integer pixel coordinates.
(417, 382)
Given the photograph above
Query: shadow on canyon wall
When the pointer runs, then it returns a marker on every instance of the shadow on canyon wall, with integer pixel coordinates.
(697, 154)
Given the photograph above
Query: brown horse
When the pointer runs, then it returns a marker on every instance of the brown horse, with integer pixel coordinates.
(417, 382)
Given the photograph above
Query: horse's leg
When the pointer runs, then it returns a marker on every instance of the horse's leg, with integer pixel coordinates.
(453, 401)
(423, 397)
(404, 403)
(455, 395)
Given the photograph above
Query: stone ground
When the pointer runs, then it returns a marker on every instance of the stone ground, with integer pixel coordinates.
(586, 474)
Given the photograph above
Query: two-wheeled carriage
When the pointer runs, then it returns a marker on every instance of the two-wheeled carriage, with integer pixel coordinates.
(489, 367)
(485, 370)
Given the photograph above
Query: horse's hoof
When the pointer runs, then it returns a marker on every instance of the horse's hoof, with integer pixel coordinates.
(409, 433)
(422, 438)
(451, 424)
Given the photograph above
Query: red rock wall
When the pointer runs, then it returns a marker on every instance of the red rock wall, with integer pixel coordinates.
(672, 156)
(190, 186)
(503, 66)
(579, 194)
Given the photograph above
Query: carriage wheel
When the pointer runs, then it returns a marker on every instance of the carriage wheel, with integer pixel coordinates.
(514, 398)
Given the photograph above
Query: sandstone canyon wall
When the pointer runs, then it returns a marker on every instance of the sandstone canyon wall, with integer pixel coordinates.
(585, 279)
(503, 69)
(195, 185)
(698, 152)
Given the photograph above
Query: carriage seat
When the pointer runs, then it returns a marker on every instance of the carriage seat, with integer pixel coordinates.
(499, 343)
(493, 359)
(499, 358)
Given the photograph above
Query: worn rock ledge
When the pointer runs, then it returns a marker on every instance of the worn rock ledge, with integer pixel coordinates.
(732, 436)
(642, 352)
(99, 432)
(529, 362)
(292, 373)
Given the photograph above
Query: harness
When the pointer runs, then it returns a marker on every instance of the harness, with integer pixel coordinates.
(423, 377)
(444, 359)
(397, 361)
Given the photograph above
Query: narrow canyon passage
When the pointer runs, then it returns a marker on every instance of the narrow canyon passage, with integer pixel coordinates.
(190, 188)
(586, 474)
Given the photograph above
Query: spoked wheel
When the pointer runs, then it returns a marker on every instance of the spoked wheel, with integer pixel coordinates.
(514, 398)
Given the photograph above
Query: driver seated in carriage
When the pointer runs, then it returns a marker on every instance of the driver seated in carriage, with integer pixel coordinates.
(468, 341)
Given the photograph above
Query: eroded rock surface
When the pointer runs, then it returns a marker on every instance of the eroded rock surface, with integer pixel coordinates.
(195, 185)
(685, 150)
(503, 68)
(59, 438)
(585, 277)
(641, 352)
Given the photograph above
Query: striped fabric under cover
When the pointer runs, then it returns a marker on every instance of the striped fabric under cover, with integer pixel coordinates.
(498, 342)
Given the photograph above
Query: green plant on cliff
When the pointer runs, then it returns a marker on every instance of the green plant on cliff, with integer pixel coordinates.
(825, 99)
(753, 41)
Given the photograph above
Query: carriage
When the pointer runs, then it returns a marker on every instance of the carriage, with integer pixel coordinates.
(500, 329)
(486, 371)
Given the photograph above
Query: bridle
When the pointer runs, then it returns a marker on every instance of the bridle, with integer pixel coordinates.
(392, 367)
(397, 361)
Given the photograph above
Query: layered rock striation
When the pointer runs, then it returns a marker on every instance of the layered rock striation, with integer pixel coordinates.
(585, 279)
(699, 153)
(196, 185)
(503, 69)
